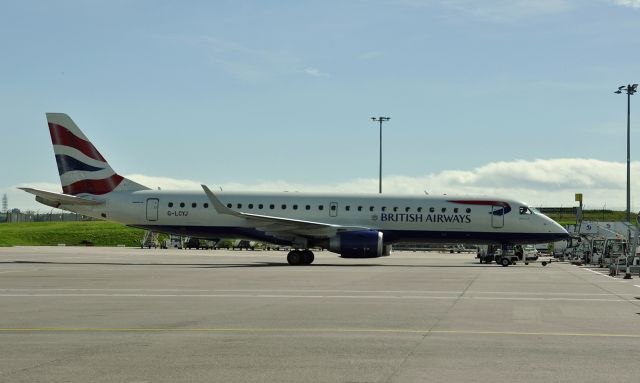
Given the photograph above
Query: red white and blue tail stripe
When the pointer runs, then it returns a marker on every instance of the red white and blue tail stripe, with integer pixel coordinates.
(82, 169)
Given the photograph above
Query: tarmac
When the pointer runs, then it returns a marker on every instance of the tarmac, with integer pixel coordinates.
(71, 314)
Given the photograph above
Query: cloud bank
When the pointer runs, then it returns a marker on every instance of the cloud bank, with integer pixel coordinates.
(550, 182)
(628, 3)
(502, 11)
(543, 182)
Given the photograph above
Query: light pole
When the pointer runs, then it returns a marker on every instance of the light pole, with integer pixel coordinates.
(381, 120)
(629, 90)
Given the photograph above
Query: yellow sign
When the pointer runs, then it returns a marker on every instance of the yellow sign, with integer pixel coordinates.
(578, 197)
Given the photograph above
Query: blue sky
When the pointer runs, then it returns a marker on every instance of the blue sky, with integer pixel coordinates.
(484, 96)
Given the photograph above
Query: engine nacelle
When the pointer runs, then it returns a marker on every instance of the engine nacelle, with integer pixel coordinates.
(357, 244)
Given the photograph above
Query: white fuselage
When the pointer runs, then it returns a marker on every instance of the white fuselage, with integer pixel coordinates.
(350, 225)
(399, 218)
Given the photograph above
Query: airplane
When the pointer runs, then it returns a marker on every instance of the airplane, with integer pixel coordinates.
(352, 225)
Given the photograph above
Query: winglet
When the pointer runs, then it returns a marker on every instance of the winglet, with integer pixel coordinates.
(217, 205)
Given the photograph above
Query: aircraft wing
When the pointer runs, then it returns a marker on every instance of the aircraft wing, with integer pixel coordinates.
(56, 199)
(279, 226)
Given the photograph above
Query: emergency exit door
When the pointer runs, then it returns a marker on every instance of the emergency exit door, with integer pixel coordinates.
(152, 209)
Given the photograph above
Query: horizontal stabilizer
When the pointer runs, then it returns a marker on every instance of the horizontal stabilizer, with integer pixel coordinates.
(56, 199)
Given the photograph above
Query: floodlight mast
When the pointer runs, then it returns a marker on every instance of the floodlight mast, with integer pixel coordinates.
(629, 90)
(381, 120)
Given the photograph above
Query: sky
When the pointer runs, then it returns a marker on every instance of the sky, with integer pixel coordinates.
(494, 97)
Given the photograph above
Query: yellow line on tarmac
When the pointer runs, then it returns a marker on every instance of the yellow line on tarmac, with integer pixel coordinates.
(315, 330)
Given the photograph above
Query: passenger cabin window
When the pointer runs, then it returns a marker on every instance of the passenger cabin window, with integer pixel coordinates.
(260, 206)
(525, 210)
(194, 205)
(406, 209)
(432, 210)
(229, 205)
(347, 208)
(395, 209)
(284, 207)
(444, 209)
(272, 206)
(333, 207)
(468, 210)
(359, 208)
(170, 204)
(384, 208)
(320, 207)
(419, 210)
(181, 204)
(250, 206)
(370, 208)
(455, 210)
(308, 207)
(206, 205)
(239, 206)
(295, 207)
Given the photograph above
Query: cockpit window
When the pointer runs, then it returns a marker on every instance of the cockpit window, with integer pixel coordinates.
(525, 210)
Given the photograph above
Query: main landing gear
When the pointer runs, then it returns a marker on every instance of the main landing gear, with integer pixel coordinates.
(300, 257)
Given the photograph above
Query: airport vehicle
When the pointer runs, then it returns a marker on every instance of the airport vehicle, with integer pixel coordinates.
(604, 251)
(197, 243)
(507, 255)
(529, 253)
(352, 225)
(503, 255)
(174, 242)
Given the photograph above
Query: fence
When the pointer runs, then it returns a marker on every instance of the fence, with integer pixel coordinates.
(35, 216)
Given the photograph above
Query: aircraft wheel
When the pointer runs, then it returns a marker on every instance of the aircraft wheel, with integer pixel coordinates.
(294, 257)
(505, 262)
(307, 257)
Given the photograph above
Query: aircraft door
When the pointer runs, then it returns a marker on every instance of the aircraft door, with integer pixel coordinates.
(333, 209)
(497, 216)
(152, 209)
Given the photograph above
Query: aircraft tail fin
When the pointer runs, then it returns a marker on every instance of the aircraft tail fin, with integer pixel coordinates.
(82, 169)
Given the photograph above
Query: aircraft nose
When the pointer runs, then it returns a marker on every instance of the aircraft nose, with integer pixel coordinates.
(556, 229)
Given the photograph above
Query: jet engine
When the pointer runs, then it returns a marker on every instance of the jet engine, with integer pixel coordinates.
(357, 244)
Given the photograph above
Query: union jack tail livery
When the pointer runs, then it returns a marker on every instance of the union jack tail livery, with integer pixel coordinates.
(82, 169)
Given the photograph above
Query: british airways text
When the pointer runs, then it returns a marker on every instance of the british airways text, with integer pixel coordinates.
(415, 217)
